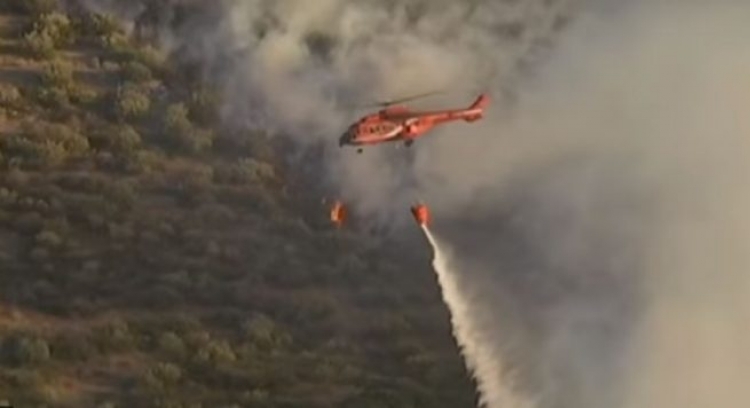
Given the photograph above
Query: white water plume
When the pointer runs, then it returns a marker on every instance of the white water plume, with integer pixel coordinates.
(493, 377)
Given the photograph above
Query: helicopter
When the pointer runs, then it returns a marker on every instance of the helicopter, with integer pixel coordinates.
(396, 122)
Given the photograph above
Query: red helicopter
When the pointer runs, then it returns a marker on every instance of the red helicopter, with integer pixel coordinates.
(398, 123)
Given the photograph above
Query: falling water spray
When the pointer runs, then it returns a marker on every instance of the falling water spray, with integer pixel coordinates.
(487, 367)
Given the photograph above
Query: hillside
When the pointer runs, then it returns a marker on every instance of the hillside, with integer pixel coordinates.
(153, 258)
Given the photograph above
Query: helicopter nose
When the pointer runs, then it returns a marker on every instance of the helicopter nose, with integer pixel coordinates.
(344, 139)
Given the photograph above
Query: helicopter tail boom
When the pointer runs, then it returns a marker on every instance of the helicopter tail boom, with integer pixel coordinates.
(480, 103)
(476, 110)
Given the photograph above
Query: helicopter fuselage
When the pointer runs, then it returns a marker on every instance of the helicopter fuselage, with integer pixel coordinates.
(398, 123)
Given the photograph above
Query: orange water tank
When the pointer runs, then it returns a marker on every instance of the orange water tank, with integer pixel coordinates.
(421, 214)
(338, 214)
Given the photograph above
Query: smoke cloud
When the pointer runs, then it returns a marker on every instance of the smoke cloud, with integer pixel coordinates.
(604, 220)
(307, 69)
(597, 224)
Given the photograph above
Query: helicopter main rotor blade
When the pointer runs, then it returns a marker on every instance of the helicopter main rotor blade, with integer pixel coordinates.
(402, 100)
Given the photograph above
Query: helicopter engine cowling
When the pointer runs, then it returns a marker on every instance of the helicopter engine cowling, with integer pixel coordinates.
(411, 127)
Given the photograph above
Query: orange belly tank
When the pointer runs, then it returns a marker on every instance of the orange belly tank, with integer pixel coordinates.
(338, 214)
(421, 214)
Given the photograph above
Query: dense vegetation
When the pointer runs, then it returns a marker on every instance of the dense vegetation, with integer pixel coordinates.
(151, 258)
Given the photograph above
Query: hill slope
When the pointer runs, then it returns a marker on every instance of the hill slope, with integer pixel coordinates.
(153, 259)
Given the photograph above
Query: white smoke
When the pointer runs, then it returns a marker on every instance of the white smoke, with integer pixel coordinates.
(304, 68)
(622, 230)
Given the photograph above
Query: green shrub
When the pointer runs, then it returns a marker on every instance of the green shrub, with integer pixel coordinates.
(39, 44)
(263, 333)
(8, 197)
(121, 140)
(50, 32)
(44, 154)
(204, 107)
(115, 336)
(69, 138)
(117, 42)
(71, 347)
(57, 26)
(123, 193)
(10, 96)
(49, 239)
(125, 139)
(162, 376)
(144, 162)
(136, 72)
(58, 74)
(248, 143)
(131, 102)
(245, 171)
(181, 133)
(172, 345)
(215, 353)
(60, 87)
(24, 350)
(149, 56)
(83, 95)
(45, 145)
(55, 98)
(101, 25)
(28, 222)
(125, 51)
(177, 118)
